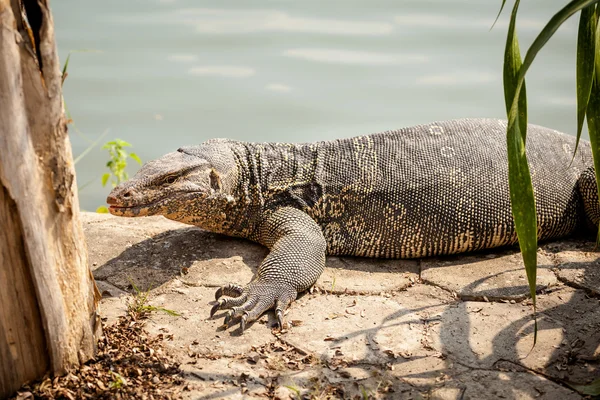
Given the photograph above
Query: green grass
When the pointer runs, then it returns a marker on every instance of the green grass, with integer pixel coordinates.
(118, 381)
(294, 389)
(588, 106)
(117, 164)
(138, 307)
(523, 204)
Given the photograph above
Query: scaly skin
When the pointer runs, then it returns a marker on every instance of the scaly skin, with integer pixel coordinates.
(427, 190)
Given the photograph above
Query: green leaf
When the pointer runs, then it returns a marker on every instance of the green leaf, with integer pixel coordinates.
(102, 210)
(585, 64)
(499, 12)
(105, 178)
(65, 67)
(522, 200)
(551, 27)
(519, 178)
(67, 112)
(172, 313)
(136, 158)
(511, 71)
(123, 143)
(64, 70)
(593, 114)
(591, 389)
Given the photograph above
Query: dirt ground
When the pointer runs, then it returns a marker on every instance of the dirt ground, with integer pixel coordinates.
(441, 328)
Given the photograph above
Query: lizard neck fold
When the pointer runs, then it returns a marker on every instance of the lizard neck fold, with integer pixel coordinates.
(271, 176)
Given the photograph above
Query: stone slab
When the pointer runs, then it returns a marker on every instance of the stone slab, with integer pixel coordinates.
(225, 377)
(111, 308)
(108, 290)
(579, 269)
(382, 332)
(193, 332)
(108, 236)
(150, 251)
(227, 262)
(479, 334)
(577, 358)
(363, 329)
(147, 258)
(494, 275)
(511, 385)
(222, 378)
(367, 276)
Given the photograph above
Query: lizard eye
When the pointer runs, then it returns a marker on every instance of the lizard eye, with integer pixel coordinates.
(171, 179)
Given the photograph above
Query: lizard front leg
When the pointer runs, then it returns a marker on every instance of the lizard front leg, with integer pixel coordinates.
(296, 260)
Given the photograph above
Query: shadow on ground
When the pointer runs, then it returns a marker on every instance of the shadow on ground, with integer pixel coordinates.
(452, 328)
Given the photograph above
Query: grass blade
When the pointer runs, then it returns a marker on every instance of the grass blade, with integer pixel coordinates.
(551, 27)
(521, 190)
(591, 389)
(499, 12)
(90, 147)
(105, 178)
(64, 70)
(136, 158)
(585, 64)
(593, 111)
(511, 75)
(519, 178)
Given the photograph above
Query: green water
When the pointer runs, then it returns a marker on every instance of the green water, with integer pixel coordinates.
(176, 72)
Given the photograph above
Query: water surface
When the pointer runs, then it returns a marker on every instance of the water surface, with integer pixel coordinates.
(169, 73)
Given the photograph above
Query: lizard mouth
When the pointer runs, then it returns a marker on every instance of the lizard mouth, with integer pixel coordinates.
(136, 210)
(140, 210)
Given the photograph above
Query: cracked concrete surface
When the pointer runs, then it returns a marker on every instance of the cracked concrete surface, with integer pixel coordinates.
(445, 328)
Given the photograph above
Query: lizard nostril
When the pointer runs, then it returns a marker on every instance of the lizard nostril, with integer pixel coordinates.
(127, 194)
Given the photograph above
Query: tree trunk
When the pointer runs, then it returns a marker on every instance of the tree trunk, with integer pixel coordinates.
(48, 297)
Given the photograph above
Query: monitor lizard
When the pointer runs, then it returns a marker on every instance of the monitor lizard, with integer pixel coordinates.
(427, 190)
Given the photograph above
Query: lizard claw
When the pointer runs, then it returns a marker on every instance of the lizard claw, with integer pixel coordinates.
(227, 302)
(214, 309)
(243, 322)
(253, 301)
(228, 318)
(230, 290)
(279, 314)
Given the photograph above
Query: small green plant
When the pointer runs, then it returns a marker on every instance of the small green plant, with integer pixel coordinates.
(294, 389)
(138, 307)
(117, 162)
(364, 392)
(117, 165)
(118, 381)
(591, 389)
(588, 105)
(588, 108)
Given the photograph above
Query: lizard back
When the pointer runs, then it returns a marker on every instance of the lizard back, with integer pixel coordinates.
(440, 188)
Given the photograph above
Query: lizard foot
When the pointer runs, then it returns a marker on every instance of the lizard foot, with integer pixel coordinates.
(231, 290)
(252, 301)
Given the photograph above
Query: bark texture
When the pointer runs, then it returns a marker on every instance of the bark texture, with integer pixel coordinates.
(48, 298)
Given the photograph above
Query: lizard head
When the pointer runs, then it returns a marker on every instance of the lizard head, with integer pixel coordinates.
(192, 182)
